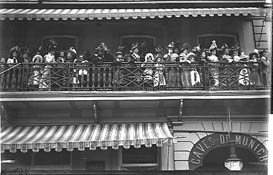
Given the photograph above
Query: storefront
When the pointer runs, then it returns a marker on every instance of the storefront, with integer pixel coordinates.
(93, 147)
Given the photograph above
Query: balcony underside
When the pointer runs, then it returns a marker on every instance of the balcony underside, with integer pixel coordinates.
(131, 95)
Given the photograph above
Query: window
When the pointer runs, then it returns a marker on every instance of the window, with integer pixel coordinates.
(147, 43)
(205, 39)
(52, 158)
(140, 158)
(64, 42)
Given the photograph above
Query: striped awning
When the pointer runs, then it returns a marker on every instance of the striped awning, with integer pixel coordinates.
(91, 14)
(84, 136)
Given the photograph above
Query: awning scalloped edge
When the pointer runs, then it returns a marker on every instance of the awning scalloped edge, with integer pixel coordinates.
(100, 14)
(80, 137)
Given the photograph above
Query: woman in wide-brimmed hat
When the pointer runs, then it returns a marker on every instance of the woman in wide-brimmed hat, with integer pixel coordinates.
(49, 58)
(159, 77)
(214, 70)
(148, 66)
(265, 67)
(226, 57)
(135, 57)
(184, 64)
(14, 55)
(254, 76)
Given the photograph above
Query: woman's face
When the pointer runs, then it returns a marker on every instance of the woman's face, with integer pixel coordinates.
(159, 60)
(254, 57)
(25, 55)
(213, 52)
(236, 53)
(170, 50)
(149, 59)
(69, 56)
(14, 54)
(136, 50)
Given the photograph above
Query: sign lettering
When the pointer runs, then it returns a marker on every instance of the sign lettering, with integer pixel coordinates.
(206, 144)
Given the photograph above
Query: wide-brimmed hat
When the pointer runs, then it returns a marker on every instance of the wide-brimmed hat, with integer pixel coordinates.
(262, 52)
(14, 49)
(149, 55)
(158, 49)
(170, 45)
(212, 49)
(252, 54)
(184, 47)
(119, 53)
(72, 50)
(134, 46)
(191, 55)
(37, 59)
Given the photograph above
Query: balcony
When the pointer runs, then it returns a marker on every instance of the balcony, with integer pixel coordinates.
(132, 77)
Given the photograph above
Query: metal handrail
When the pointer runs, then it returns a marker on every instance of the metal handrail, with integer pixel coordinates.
(10, 68)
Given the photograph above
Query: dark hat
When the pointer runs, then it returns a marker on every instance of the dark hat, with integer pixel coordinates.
(121, 48)
(15, 49)
(134, 46)
(158, 49)
(212, 49)
(224, 47)
(262, 52)
(52, 47)
(235, 48)
(252, 54)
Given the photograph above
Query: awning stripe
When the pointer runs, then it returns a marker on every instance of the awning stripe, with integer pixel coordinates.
(91, 14)
(82, 136)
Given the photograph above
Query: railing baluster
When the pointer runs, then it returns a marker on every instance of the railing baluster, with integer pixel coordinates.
(110, 77)
(88, 78)
(93, 77)
(104, 76)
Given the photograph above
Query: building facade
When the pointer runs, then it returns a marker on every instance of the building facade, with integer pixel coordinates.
(115, 120)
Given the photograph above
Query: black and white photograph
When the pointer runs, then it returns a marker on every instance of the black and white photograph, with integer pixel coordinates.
(135, 87)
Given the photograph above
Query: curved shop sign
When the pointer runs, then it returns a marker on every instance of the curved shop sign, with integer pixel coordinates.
(208, 143)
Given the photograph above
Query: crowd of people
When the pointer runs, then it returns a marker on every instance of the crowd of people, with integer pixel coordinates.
(152, 63)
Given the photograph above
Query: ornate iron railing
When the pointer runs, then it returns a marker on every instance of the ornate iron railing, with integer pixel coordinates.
(147, 172)
(132, 77)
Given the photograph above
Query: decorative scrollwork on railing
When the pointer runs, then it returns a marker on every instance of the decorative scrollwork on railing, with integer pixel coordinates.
(137, 76)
